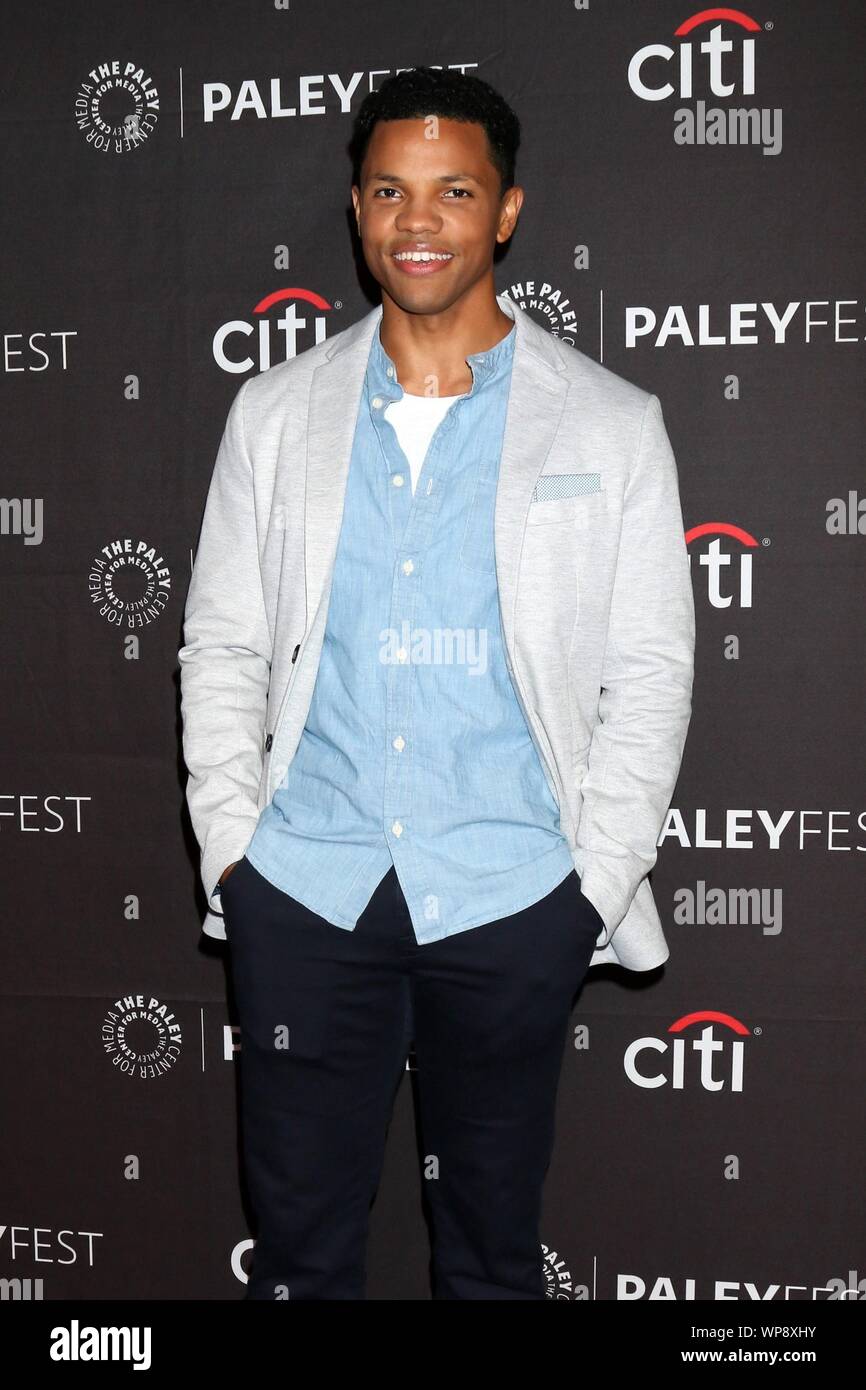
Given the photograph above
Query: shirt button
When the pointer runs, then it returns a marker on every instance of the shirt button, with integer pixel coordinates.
(397, 479)
(401, 655)
(399, 743)
(397, 828)
(389, 371)
(376, 402)
(408, 566)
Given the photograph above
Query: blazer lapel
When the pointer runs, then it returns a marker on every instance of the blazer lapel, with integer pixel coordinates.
(535, 404)
(335, 394)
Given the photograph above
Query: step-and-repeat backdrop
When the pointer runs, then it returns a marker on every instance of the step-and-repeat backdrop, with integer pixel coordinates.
(176, 217)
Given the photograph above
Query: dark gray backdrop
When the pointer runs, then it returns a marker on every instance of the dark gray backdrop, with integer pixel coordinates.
(122, 261)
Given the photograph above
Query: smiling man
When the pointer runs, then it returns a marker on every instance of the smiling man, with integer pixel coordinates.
(401, 842)
(434, 199)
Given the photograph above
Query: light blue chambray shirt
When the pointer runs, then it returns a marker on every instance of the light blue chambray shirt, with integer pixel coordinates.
(415, 750)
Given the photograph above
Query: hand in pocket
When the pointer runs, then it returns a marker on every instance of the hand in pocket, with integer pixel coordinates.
(229, 882)
(594, 913)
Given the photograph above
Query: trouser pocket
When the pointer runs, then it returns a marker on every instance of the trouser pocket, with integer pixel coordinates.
(592, 914)
(228, 891)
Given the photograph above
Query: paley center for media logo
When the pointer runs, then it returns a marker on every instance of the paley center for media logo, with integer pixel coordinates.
(142, 1036)
(722, 63)
(129, 583)
(548, 305)
(282, 325)
(117, 106)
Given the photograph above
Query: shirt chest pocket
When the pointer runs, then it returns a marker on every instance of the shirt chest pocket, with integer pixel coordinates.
(577, 498)
(477, 549)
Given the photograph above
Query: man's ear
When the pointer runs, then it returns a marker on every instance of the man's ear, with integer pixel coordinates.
(510, 212)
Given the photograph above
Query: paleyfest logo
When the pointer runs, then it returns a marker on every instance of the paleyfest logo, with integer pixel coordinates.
(117, 106)
(721, 63)
(298, 323)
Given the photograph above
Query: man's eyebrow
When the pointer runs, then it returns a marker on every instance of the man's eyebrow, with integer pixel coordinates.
(443, 178)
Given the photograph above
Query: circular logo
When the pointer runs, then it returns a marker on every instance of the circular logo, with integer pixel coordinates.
(117, 106)
(129, 583)
(141, 1036)
(550, 308)
(558, 1280)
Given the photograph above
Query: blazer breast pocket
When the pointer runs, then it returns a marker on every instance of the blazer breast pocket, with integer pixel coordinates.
(577, 498)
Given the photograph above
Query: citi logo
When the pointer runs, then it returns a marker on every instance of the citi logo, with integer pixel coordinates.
(729, 576)
(298, 323)
(722, 63)
(716, 1064)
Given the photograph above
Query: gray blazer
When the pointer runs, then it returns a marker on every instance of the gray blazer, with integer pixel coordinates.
(594, 589)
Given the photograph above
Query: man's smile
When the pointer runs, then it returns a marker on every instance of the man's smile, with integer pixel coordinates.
(416, 258)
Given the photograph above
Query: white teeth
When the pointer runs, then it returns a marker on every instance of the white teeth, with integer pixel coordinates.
(421, 256)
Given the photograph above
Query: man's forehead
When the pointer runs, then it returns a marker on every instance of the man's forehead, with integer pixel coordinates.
(428, 138)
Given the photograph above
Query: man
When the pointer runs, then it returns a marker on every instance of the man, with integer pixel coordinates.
(435, 691)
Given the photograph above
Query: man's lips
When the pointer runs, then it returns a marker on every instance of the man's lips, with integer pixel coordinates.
(406, 262)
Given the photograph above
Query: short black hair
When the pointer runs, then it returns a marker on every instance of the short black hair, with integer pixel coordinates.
(455, 96)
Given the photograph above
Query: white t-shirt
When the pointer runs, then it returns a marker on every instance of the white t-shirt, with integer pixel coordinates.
(415, 420)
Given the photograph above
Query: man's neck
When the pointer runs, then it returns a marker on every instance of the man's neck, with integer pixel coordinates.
(429, 351)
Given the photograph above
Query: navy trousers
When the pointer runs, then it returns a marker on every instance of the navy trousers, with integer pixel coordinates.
(326, 1019)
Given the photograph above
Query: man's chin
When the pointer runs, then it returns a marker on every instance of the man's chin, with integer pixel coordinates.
(420, 296)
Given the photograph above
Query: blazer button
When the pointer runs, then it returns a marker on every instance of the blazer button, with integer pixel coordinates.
(269, 743)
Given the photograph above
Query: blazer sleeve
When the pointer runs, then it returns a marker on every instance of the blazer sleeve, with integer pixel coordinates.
(225, 663)
(646, 684)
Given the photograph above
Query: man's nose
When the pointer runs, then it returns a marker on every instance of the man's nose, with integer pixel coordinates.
(418, 215)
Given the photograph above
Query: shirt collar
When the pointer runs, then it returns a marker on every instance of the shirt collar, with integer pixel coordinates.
(381, 379)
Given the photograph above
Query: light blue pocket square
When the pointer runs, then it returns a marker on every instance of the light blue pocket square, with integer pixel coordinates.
(551, 486)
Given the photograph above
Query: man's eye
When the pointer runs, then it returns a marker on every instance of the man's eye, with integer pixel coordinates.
(464, 191)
